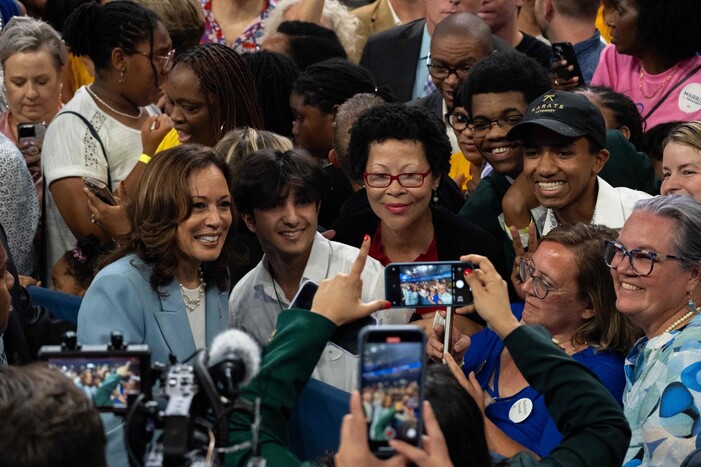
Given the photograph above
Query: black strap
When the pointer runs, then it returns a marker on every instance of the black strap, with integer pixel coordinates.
(94, 134)
(671, 90)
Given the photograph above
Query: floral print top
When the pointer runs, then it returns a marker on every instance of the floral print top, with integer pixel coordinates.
(247, 42)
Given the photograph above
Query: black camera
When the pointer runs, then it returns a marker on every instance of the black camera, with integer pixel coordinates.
(183, 407)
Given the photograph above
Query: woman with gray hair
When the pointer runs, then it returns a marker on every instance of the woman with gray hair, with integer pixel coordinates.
(656, 265)
(33, 57)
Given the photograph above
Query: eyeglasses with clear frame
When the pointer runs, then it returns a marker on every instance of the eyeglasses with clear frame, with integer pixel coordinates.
(641, 261)
(407, 180)
(541, 288)
(481, 126)
(458, 121)
(166, 61)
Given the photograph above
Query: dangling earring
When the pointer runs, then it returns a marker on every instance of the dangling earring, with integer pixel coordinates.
(691, 305)
(435, 196)
(121, 76)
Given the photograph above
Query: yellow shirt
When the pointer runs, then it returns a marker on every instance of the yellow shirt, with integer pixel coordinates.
(460, 166)
(170, 140)
(601, 25)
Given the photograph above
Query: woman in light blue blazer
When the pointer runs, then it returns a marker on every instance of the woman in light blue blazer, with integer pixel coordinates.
(167, 286)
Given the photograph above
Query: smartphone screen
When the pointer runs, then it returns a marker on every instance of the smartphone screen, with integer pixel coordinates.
(392, 367)
(420, 285)
(31, 131)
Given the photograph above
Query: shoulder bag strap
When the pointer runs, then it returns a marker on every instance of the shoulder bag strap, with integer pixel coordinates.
(94, 134)
(671, 90)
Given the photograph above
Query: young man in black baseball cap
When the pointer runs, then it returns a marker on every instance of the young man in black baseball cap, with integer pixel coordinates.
(563, 137)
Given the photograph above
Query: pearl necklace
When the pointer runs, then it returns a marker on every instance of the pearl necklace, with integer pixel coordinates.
(126, 115)
(660, 87)
(674, 325)
(192, 303)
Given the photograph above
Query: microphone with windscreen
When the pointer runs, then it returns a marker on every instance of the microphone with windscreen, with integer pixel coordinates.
(234, 359)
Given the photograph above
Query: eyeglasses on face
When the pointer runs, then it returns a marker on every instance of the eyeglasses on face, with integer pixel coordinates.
(165, 61)
(481, 126)
(440, 71)
(541, 288)
(407, 180)
(458, 121)
(641, 261)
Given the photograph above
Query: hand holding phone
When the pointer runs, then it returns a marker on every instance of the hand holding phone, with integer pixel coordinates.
(421, 285)
(100, 189)
(392, 374)
(564, 77)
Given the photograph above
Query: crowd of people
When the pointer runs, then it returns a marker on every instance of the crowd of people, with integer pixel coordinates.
(183, 166)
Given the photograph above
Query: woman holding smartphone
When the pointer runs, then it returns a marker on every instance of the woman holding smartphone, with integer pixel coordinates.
(32, 56)
(569, 293)
(98, 132)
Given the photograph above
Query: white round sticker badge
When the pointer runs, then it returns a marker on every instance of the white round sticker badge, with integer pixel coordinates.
(690, 98)
(521, 410)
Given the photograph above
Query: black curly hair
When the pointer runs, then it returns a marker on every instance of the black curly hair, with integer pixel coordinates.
(504, 72)
(397, 121)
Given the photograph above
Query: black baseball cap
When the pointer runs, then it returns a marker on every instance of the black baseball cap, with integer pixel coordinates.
(565, 113)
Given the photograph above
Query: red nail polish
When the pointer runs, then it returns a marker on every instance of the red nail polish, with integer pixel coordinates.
(468, 271)
(366, 238)
(388, 305)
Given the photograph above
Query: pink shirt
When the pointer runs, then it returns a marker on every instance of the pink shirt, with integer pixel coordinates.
(622, 74)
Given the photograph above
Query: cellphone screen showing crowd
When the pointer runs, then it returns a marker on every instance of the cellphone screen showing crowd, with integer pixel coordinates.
(417, 285)
(109, 378)
(391, 385)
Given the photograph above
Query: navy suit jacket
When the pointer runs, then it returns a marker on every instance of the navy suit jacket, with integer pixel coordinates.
(120, 298)
(391, 57)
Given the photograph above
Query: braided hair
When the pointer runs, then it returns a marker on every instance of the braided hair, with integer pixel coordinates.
(228, 87)
(95, 30)
(331, 83)
(273, 75)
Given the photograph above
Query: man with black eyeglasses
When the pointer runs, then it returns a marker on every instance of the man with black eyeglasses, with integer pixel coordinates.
(457, 44)
(496, 95)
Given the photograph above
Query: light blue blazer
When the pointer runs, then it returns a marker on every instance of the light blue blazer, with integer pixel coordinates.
(120, 298)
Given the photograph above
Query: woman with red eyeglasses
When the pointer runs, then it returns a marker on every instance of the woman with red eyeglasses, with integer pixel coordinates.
(402, 154)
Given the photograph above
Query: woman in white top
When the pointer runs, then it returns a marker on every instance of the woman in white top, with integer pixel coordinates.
(131, 50)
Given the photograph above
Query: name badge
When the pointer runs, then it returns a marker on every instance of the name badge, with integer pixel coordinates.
(521, 410)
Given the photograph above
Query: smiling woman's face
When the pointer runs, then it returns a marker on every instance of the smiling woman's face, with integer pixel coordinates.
(561, 311)
(398, 207)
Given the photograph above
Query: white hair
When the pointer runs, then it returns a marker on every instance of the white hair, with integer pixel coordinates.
(343, 23)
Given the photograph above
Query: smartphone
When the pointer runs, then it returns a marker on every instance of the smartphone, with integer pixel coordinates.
(111, 378)
(100, 189)
(31, 133)
(565, 51)
(421, 285)
(392, 374)
(345, 336)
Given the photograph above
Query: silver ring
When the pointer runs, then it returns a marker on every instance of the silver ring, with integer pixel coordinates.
(92, 219)
(33, 150)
